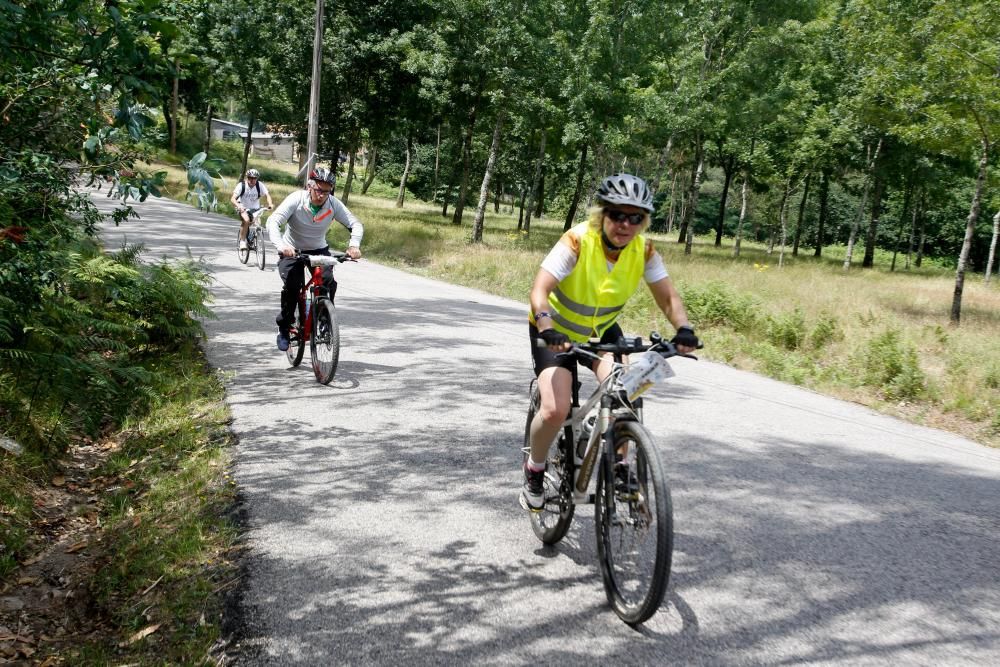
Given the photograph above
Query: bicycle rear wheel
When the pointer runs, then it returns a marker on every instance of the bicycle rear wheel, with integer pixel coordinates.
(553, 521)
(242, 253)
(324, 340)
(296, 345)
(258, 246)
(635, 541)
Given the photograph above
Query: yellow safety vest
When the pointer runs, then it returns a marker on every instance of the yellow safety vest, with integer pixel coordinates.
(588, 301)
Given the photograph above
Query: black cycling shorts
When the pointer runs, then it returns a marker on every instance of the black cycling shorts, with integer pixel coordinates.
(543, 357)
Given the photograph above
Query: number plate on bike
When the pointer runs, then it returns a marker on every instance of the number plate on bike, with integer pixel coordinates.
(643, 372)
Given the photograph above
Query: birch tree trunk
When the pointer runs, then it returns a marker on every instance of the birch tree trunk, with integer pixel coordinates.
(673, 202)
(529, 209)
(484, 190)
(824, 204)
(744, 201)
(970, 230)
(993, 247)
(406, 171)
(350, 167)
(802, 215)
(872, 237)
(783, 217)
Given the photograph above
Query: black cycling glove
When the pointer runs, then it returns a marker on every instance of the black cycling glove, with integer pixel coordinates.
(553, 338)
(685, 336)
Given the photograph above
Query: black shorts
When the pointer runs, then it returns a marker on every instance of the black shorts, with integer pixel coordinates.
(543, 357)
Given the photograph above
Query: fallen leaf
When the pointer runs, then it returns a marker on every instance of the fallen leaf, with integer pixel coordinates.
(58, 480)
(79, 546)
(145, 632)
(24, 581)
(31, 561)
(49, 661)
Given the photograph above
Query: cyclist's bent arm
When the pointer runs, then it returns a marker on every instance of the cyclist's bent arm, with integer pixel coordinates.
(280, 215)
(544, 283)
(669, 301)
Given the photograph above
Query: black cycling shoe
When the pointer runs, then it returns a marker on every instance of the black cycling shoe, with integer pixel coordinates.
(533, 492)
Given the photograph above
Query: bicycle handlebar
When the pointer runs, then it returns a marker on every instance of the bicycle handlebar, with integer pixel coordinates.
(626, 345)
(334, 258)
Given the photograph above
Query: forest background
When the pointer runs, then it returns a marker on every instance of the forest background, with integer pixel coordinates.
(827, 199)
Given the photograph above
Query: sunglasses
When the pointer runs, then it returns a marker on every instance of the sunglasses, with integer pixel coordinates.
(621, 216)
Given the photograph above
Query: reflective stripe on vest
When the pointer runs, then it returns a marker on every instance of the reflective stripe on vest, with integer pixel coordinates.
(588, 301)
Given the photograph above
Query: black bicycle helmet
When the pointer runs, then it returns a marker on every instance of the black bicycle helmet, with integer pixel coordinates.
(627, 190)
(322, 175)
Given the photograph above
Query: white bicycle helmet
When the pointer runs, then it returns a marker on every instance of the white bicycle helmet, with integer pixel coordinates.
(626, 190)
(253, 173)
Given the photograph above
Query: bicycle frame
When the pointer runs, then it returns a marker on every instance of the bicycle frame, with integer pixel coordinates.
(308, 291)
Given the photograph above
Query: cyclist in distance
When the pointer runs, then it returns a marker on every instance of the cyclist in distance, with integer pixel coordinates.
(578, 293)
(246, 199)
(308, 214)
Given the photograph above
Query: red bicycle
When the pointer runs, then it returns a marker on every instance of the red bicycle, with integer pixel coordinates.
(316, 320)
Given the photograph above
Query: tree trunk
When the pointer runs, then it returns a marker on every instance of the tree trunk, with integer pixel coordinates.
(907, 197)
(520, 207)
(406, 171)
(350, 166)
(540, 194)
(246, 146)
(693, 206)
(370, 171)
(871, 238)
(913, 229)
(208, 129)
(861, 206)
(993, 247)
(727, 169)
(437, 161)
(824, 205)
(744, 202)
(529, 209)
(484, 191)
(673, 209)
(174, 97)
(920, 244)
(578, 191)
(970, 230)
(463, 188)
(802, 215)
(783, 218)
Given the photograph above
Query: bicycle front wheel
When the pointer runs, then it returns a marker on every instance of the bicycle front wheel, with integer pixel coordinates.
(258, 246)
(297, 344)
(634, 520)
(553, 521)
(244, 252)
(324, 341)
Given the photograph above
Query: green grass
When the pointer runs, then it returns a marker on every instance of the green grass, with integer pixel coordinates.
(164, 522)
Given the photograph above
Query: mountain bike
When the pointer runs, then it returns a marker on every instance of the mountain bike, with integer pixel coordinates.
(633, 514)
(256, 240)
(316, 320)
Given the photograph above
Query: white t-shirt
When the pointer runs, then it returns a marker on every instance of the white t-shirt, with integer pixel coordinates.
(248, 196)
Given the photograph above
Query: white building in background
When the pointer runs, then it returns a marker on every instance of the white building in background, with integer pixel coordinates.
(270, 145)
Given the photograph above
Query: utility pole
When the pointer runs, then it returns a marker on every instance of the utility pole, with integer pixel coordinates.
(311, 138)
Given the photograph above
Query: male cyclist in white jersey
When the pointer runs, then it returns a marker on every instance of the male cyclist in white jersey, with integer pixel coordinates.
(246, 199)
(307, 215)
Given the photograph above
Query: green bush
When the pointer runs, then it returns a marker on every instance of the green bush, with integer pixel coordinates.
(890, 364)
(825, 331)
(787, 330)
(716, 304)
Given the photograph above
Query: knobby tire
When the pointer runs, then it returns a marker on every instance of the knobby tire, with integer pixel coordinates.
(635, 554)
(296, 346)
(242, 253)
(324, 340)
(552, 523)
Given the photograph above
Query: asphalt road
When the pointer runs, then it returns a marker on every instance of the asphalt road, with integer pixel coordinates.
(384, 526)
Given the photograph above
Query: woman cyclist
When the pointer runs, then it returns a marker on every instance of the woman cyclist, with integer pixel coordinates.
(577, 295)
